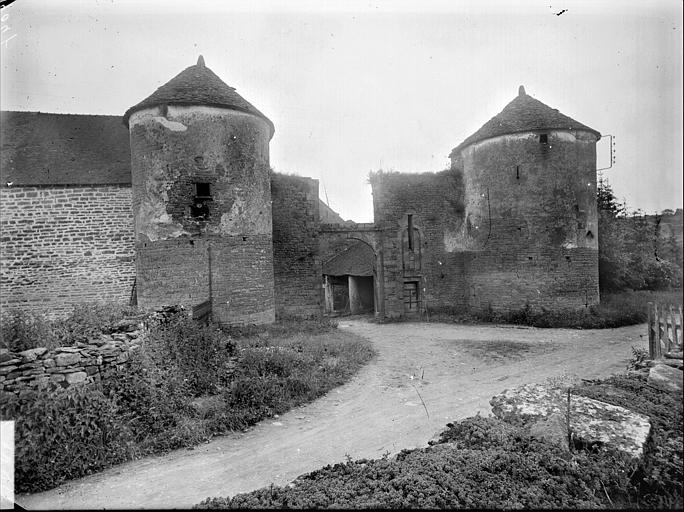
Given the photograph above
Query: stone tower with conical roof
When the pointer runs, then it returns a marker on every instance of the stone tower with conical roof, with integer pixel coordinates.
(202, 199)
(530, 228)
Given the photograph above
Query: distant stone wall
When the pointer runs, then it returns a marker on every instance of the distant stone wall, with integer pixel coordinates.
(39, 368)
(296, 256)
(64, 245)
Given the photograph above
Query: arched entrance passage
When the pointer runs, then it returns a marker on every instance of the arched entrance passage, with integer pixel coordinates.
(350, 279)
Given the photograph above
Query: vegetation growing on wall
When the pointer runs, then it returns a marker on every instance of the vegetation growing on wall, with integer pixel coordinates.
(632, 255)
(23, 330)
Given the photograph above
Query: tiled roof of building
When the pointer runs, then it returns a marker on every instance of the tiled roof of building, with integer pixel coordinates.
(524, 114)
(197, 85)
(63, 149)
(357, 260)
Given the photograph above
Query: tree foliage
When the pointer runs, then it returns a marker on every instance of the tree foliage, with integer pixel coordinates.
(632, 254)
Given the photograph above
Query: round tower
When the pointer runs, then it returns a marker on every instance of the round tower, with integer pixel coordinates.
(202, 199)
(530, 225)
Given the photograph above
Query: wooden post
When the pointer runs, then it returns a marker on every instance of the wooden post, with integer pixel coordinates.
(656, 315)
(651, 345)
(673, 316)
(681, 328)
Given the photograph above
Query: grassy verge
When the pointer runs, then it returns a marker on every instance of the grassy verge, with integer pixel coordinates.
(488, 464)
(615, 310)
(186, 384)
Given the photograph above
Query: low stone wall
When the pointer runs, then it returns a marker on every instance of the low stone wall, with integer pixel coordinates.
(40, 368)
(37, 368)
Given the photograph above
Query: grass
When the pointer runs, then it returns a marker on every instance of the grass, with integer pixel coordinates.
(185, 384)
(23, 330)
(615, 310)
(485, 463)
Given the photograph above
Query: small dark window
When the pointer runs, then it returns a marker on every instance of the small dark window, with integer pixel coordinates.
(590, 235)
(517, 172)
(543, 138)
(203, 190)
(410, 232)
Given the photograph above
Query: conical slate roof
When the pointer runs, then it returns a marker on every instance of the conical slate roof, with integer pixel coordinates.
(197, 85)
(524, 114)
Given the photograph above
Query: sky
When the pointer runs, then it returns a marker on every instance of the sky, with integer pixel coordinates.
(362, 85)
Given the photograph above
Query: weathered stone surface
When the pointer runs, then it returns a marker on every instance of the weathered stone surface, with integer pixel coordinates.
(6, 370)
(32, 354)
(57, 377)
(552, 429)
(666, 378)
(591, 421)
(5, 355)
(73, 378)
(67, 359)
(48, 363)
(10, 362)
(67, 349)
(674, 355)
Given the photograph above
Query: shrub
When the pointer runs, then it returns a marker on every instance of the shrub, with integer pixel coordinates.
(660, 475)
(200, 353)
(63, 434)
(23, 330)
(88, 321)
(492, 464)
(481, 474)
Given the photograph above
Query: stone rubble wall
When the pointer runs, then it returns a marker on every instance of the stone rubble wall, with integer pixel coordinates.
(97, 359)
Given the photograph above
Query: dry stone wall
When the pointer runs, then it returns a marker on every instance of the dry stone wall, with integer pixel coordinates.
(39, 368)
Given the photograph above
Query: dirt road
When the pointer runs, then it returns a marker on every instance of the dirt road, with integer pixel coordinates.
(454, 369)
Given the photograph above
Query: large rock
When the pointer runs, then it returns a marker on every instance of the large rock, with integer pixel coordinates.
(591, 422)
(665, 377)
(553, 429)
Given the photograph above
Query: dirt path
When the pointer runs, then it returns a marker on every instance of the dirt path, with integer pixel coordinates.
(379, 411)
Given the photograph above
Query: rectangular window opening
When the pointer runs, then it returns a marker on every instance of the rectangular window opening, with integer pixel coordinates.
(517, 172)
(203, 190)
(543, 138)
(410, 231)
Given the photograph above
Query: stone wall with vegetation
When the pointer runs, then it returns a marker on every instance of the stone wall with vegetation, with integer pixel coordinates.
(38, 368)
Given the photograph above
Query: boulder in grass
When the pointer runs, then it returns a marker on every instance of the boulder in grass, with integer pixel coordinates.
(592, 423)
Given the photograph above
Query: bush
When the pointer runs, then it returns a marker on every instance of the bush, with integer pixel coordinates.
(148, 405)
(64, 434)
(22, 330)
(479, 473)
(200, 353)
(491, 464)
(660, 475)
(615, 310)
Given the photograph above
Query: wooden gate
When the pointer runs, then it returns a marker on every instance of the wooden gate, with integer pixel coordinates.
(664, 329)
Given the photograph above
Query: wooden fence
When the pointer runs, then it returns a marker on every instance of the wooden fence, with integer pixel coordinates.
(664, 329)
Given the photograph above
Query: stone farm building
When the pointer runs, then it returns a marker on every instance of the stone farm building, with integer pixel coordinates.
(175, 203)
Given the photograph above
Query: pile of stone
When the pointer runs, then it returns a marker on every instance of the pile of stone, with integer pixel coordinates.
(665, 373)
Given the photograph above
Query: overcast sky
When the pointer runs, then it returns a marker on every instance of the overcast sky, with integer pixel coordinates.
(357, 86)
